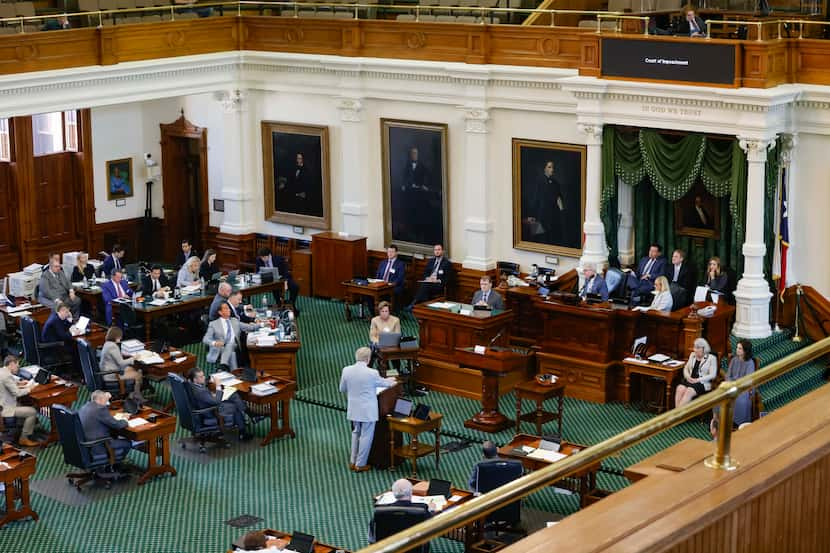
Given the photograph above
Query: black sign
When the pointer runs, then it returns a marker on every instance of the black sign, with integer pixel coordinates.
(663, 60)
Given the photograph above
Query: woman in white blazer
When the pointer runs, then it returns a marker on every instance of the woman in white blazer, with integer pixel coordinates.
(700, 370)
(662, 300)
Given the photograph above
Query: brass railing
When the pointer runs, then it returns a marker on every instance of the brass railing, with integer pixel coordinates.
(723, 396)
(777, 24)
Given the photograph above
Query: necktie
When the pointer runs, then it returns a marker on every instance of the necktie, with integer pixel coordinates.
(676, 273)
(155, 286)
(229, 332)
(118, 289)
(647, 270)
(437, 264)
(486, 295)
(268, 263)
(386, 273)
(590, 287)
(117, 264)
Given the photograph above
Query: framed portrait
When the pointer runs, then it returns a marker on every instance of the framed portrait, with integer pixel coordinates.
(120, 179)
(697, 214)
(295, 170)
(548, 196)
(415, 185)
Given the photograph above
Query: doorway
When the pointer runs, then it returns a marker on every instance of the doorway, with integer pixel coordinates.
(184, 174)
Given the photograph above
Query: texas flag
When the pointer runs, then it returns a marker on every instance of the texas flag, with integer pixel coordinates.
(779, 261)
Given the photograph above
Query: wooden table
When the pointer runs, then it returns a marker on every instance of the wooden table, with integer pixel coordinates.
(16, 480)
(585, 479)
(279, 360)
(273, 535)
(277, 404)
(147, 313)
(415, 449)
(39, 314)
(669, 375)
(533, 391)
(674, 459)
(156, 435)
(44, 396)
(95, 336)
(157, 372)
(353, 294)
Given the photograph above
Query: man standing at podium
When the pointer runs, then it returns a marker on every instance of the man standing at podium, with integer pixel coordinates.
(360, 383)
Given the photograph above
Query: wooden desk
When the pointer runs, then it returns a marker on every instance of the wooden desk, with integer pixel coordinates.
(674, 459)
(442, 331)
(273, 536)
(336, 258)
(39, 314)
(377, 291)
(95, 336)
(156, 435)
(93, 296)
(44, 396)
(583, 482)
(415, 449)
(279, 360)
(494, 364)
(669, 375)
(533, 391)
(16, 481)
(147, 313)
(157, 372)
(526, 329)
(277, 404)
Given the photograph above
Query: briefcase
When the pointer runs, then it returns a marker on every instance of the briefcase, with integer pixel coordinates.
(409, 343)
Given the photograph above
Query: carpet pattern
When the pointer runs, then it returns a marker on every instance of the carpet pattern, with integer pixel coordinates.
(304, 483)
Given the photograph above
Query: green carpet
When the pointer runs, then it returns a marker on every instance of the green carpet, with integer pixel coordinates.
(305, 484)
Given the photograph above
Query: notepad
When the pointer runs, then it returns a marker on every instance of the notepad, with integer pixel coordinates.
(82, 324)
(659, 358)
(227, 392)
(121, 416)
(158, 302)
(179, 359)
(546, 455)
(138, 421)
(635, 360)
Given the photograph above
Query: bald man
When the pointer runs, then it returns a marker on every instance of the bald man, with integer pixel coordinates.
(222, 295)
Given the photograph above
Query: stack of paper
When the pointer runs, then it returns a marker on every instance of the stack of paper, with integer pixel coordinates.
(148, 357)
(33, 269)
(21, 313)
(138, 421)
(226, 379)
(546, 455)
(158, 302)
(442, 304)
(263, 389)
(190, 289)
(131, 347)
(21, 307)
(266, 340)
(438, 501)
(385, 499)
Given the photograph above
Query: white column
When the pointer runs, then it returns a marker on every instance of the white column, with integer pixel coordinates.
(240, 180)
(625, 229)
(752, 295)
(478, 225)
(353, 171)
(594, 249)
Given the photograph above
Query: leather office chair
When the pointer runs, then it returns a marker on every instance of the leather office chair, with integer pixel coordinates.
(204, 424)
(508, 268)
(491, 475)
(129, 322)
(679, 296)
(391, 519)
(10, 431)
(615, 280)
(94, 376)
(84, 454)
(49, 355)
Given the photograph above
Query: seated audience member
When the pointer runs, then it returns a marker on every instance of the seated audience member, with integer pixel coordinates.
(222, 295)
(83, 270)
(223, 338)
(485, 296)
(393, 271)
(186, 253)
(189, 273)
(55, 288)
(682, 272)
(662, 299)
(113, 289)
(98, 423)
(266, 259)
(700, 370)
(57, 327)
(112, 360)
(641, 281)
(209, 266)
(259, 541)
(716, 278)
(237, 309)
(741, 365)
(402, 491)
(10, 390)
(594, 283)
(203, 398)
(155, 284)
(692, 25)
(491, 455)
(113, 261)
(438, 274)
(384, 322)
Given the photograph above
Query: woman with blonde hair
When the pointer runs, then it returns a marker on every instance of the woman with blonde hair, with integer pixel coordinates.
(700, 370)
(83, 269)
(662, 299)
(189, 273)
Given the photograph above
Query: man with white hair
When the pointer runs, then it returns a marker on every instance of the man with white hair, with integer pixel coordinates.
(402, 491)
(359, 382)
(98, 423)
(594, 283)
(222, 295)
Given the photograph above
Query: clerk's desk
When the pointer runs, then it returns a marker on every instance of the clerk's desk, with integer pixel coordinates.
(586, 343)
(443, 331)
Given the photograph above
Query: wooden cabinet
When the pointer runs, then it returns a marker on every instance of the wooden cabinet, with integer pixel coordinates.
(301, 271)
(336, 258)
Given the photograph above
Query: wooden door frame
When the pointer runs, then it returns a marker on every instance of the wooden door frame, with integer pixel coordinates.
(182, 128)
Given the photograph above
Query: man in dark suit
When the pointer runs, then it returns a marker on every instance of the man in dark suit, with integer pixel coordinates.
(299, 191)
(418, 201)
(203, 398)
(237, 309)
(683, 273)
(438, 274)
(186, 253)
(697, 216)
(692, 25)
(222, 295)
(113, 289)
(594, 283)
(543, 210)
(98, 423)
(486, 296)
(154, 284)
(266, 259)
(113, 260)
(402, 491)
(491, 455)
(393, 271)
(56, 328)
(641, 281)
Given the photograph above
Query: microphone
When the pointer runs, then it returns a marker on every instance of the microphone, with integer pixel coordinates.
(496, 337)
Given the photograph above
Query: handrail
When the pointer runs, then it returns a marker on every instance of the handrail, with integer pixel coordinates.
(724, 396)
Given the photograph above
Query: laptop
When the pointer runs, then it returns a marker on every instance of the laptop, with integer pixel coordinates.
(159, 346)
(215, 277)
(131, 406)
(403, 408)
(232, 276)
(301, 543)
(439, 487)
(389, 339)
(43, 376)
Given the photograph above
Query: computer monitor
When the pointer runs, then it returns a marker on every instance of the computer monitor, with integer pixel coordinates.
(389, 339)
(439, 487)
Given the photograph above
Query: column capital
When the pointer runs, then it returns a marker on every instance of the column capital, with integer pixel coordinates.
(788, 144)
(233, 101)
(592, 131)
(351, 109)
(755, 148)
(475, 119)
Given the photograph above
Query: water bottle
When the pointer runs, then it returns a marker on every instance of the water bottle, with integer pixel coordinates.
(86, 282)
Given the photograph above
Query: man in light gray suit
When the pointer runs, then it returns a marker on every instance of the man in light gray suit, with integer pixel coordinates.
(9, 392)
(222, 337)
(55, 286)
(359, 382)
(486, 296)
